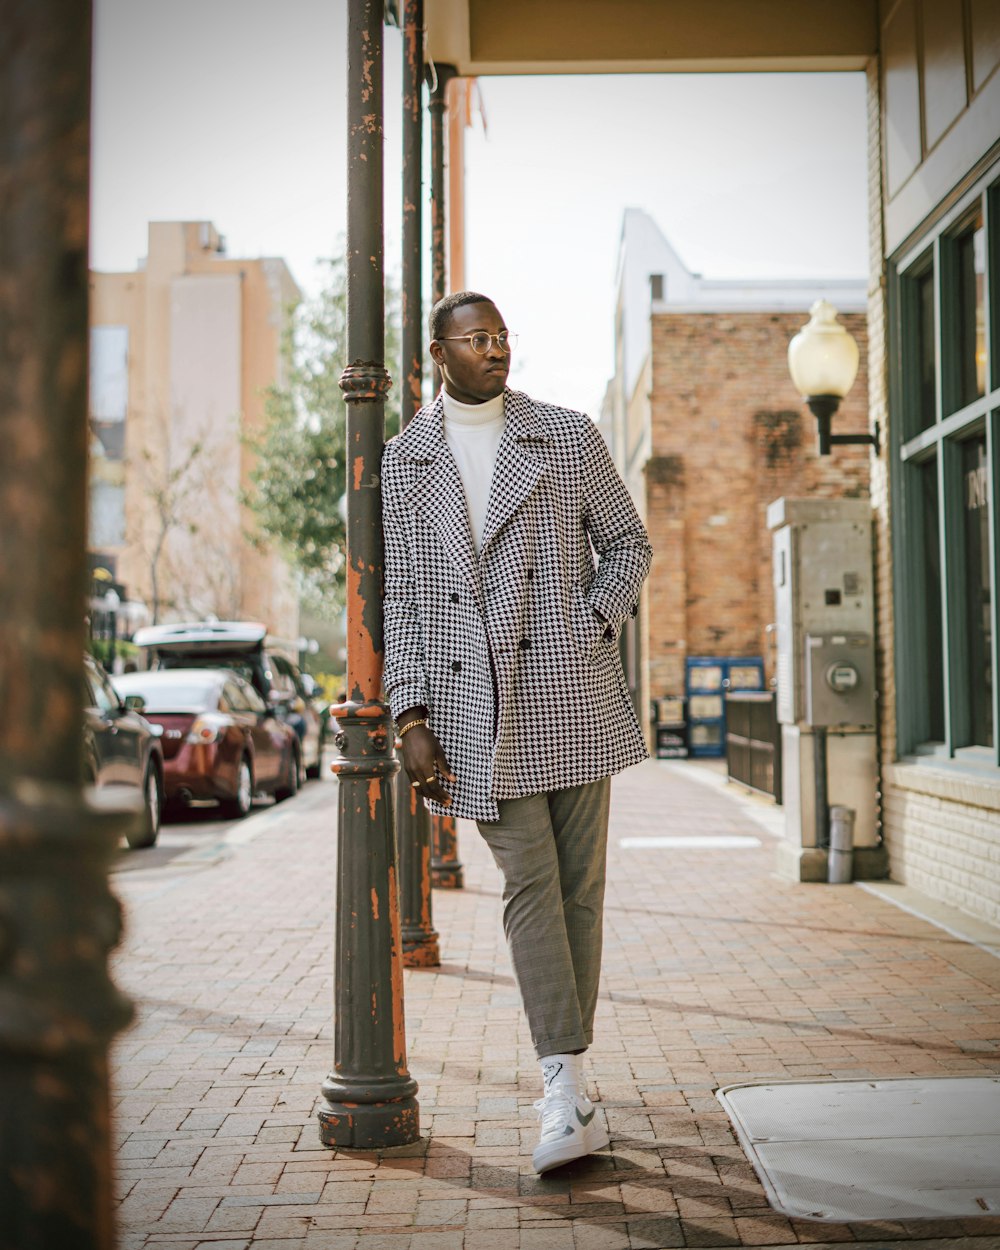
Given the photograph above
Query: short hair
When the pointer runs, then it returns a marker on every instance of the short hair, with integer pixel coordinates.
(442, 311)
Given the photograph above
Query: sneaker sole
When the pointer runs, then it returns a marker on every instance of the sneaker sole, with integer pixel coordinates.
(545, 1158)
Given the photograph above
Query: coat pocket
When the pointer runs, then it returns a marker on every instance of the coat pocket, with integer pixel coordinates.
(588, 631)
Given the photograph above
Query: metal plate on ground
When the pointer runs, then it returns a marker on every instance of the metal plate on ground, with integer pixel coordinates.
(843, 1151)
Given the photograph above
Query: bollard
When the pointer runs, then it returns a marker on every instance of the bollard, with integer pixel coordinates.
(840, 864)
(447, 872)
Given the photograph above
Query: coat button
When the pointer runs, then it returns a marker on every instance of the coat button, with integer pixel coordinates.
(456, 666)
(531, 574)
(525, 644)
(454, 596)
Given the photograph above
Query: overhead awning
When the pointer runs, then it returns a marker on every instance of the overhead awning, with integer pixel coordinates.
(482, 37)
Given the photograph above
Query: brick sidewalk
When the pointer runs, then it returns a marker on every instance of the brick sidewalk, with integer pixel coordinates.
(715, 972)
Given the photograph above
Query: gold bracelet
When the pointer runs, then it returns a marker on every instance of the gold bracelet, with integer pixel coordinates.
(421, 720)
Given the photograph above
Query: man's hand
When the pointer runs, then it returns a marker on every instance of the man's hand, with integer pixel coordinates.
(425, 762)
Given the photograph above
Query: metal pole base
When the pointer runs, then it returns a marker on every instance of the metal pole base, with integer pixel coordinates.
(421, 950)
(413, 843)
(368, 1100)
(447, 872)
(58, 1013)
(347, 1125)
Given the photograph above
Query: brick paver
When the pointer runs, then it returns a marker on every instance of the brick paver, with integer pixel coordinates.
(715, 972)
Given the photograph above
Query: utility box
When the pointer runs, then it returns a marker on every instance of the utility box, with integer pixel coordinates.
(822, 583)
(825, 615)
(839, 680)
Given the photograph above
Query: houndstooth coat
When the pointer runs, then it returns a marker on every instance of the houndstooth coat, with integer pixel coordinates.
(525, 692)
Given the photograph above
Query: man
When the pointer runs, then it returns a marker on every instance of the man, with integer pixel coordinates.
(502, 669)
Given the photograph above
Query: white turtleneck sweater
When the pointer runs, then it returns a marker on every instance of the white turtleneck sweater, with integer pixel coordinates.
(473, 432)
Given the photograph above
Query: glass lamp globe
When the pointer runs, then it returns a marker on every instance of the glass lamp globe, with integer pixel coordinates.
(823, 357)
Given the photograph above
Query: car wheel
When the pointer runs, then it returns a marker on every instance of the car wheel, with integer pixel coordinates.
(293, 778)
(152, 793)
(240, 805)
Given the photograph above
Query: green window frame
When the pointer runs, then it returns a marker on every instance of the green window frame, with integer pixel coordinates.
(944, 394)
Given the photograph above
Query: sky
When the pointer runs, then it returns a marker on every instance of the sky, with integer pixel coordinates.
(234, 111)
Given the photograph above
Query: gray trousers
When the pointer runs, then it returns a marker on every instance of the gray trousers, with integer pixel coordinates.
(552, 851)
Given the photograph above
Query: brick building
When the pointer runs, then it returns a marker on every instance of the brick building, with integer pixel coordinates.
(707, 429)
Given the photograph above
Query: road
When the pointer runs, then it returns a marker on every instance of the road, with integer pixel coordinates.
(197, 839)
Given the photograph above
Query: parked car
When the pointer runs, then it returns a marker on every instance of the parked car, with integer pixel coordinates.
(243, 646)
(220, 739)
(121, 748)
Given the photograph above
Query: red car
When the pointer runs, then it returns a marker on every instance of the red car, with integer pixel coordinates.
(220, 739)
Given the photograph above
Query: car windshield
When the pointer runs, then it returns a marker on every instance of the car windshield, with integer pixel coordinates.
(182, 693)
(235, 663)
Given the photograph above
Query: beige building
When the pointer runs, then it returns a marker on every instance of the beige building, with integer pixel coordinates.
(933, 144)
(181, 351)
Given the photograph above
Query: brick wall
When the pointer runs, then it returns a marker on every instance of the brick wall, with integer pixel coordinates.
(942, 830)
(729, 435)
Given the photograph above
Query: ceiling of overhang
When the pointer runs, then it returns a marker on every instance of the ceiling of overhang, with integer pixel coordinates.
(481, 37)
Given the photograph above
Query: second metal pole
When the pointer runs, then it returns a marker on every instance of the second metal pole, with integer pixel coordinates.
(413, 835)
(446, 870)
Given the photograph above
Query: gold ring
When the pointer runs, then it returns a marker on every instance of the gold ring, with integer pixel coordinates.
(430, 778)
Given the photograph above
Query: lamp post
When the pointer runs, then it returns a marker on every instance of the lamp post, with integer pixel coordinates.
(368, 1100)
(823, 362)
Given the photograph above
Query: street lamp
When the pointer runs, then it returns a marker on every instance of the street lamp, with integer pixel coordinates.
(823, 362)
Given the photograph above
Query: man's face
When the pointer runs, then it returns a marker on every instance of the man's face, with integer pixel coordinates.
(469, 377)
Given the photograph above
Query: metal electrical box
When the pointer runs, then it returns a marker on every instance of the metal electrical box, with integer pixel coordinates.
(840, 680)
(825, 668)
(822, 552)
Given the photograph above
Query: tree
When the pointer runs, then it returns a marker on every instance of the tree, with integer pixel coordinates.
(299, 480)
(169, 489)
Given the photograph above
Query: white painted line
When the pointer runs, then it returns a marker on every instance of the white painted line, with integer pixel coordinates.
(721, 842)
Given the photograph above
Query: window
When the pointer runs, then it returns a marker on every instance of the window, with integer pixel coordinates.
(970, 322)
(235, 697)
(945, 391)
(977, 623)
(925, 364)
(105, 699)
(109, 387)
(106, 523)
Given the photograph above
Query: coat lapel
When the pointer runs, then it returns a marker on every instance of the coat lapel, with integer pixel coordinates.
(437, 494)
(518, 467)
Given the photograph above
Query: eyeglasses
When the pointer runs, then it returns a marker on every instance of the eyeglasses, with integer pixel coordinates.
(481, 340)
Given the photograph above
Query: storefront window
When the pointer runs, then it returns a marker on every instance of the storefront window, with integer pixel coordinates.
(945, 527)
(978, 606)
(971, 315)
(925, 367)
(931, 669)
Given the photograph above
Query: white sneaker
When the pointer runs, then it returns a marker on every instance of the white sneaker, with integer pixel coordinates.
(570, 1128)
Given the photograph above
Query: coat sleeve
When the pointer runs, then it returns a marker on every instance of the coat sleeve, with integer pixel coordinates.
(616, 533)
(405, 676)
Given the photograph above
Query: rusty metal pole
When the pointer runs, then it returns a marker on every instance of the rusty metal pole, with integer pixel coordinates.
(413, 831)
(437, 106)
(368, 1100)
(446, 871)
(58, 919)
(421, 947)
